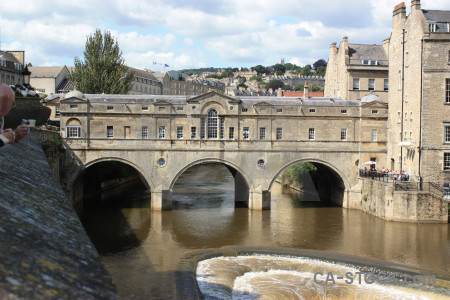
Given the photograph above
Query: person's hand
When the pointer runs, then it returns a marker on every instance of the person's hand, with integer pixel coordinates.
(9, 134)
(21, 132)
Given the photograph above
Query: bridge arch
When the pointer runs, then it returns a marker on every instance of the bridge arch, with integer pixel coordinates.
(328, 167)
(212, 160)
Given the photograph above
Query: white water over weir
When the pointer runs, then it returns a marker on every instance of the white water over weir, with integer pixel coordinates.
(282, 277)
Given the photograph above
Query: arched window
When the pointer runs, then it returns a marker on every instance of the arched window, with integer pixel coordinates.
(73, 128)
(212, 124)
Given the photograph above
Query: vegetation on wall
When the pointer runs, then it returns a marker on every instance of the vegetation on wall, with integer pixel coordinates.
(296, 175)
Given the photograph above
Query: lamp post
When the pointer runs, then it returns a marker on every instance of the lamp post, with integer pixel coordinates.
(26, 76)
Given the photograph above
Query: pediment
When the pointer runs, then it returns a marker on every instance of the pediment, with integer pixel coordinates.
(374, 104)
(264, 103)
(213, 96)
(74, 100)
(162, 102)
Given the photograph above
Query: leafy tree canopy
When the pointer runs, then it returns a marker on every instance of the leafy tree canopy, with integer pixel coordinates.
(319, 63)
(274, 84)
(103, 69)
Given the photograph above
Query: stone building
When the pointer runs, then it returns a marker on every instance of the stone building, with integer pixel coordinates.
(419, 93)
(11, 67)
(145, 83)
(356, 70)
(51, 79)
(178, 83)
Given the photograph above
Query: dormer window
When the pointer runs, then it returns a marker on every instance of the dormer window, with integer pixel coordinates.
(369, 62)
(432, 27)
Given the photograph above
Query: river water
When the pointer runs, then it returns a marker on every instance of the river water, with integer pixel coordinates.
(142, 249)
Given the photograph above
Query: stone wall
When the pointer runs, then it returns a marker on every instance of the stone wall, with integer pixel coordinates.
(45, 252)
(381, 200)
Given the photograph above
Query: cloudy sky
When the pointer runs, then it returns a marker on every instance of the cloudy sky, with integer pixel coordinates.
(196, 33)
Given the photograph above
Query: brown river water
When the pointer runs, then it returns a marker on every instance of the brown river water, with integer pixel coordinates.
(142, 249)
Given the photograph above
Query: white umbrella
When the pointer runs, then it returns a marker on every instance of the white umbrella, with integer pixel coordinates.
(369, 163)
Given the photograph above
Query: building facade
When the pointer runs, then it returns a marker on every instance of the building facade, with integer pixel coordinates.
(419, 93)
(11, 67)
(145, 83)
(356, 70)
(50, 79)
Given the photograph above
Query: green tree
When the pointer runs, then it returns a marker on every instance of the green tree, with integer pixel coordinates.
(103, 69)
(279, 69)
(287, 87)
(274, 84)
(299, 87)
(321, 71)
(306, 71)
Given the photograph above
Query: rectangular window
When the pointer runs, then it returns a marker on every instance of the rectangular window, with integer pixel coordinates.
(447, 90)
(312, 110)
(246, 133)
(447, 161)
(447, 134)
(179, 132)
(73, 131)
(179, 108)
(161, 132)
(279, 133)
(399, 80)
(343, 111)
(374, 111)
(127, 132)
(144, 108)
(371, 84)
(144, 132)
(110, 108)
(374, 135)
(279, 110)
(311, 134)
(231, 133)
(411, 116)
(245, 110)
(222, 127)
(202, 128)
(109, 131)
(386, 84)
(356, 84)
(343, 134)
(57, 111)
(432, 27)
(449, 50)
(262, 133)
(193, 132)
(73, 106)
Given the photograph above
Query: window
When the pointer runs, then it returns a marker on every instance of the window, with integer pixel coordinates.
(386, 84)
(161, 108)
(212, 124)
(279, 133)
(144, 132)
(371, 84)
(246, 133)
(432, 27)
(222, 127)
(311, 134)
(73, 106)
(343, 111)
(343, 134)
(179, 132)
(231, 108)
(202, 128)
(110, 108)
(411, 116)
(356, 84)
(193, 132)
(374, 111)
(109, 131)
(447, 90)
(231, 133)
(399, 117)
(399, 80)
(162, 132)
(179, 108)
(73, 131)
(374, 135)
(245, 110)
(57, 111)
(262, 133)
(371, 62)
(449, 50)
(312, 110)
(447, 134)
(279, 110)
(447, 161)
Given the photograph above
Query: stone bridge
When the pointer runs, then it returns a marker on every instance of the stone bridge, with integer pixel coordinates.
(256, 139)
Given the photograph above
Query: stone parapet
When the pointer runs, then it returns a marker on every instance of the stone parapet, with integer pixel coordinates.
(45, 252)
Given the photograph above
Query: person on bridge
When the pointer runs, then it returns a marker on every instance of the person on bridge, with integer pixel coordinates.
(8, 136)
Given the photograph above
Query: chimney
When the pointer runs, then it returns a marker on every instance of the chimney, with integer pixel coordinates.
(415, 5)
(279, 93)
(400, 9)
(305, 90)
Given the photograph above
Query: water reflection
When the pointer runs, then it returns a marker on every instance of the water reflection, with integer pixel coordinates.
(142, 249)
